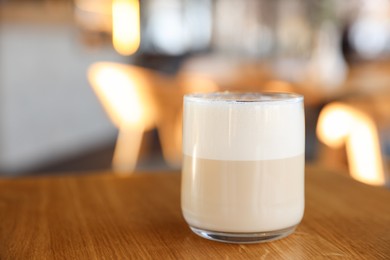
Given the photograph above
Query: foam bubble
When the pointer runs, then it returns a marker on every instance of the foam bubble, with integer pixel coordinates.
(243, 126)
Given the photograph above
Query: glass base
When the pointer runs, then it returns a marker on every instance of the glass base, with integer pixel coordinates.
(243, 238)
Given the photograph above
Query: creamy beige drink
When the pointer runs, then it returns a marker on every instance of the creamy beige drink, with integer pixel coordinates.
(243, 168)
(239, 196)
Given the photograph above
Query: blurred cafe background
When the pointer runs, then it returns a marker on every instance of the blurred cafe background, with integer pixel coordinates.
(98, 84)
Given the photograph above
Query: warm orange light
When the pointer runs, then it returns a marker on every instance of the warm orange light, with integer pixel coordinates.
(278, 86)
(124, 93)
(363, 144)
(334, 124)
(197, 83)
(117, 90)
(126, 26)
(340, 124)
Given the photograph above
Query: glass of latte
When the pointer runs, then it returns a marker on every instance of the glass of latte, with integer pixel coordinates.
(243, 166)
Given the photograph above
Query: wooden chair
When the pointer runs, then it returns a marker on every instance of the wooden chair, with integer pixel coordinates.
(361, 124)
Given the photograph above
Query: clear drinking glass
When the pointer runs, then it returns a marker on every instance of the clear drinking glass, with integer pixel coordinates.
(243, 168)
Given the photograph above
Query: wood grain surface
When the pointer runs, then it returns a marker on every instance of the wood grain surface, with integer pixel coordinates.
(104, 216)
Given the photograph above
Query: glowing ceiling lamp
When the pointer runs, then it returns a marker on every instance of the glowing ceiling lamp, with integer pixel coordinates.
(340, 124)
(126, 35)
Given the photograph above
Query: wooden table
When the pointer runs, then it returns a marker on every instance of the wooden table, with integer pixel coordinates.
(105, 216)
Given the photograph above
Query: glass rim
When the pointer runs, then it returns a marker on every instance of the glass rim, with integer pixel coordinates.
(233, 97)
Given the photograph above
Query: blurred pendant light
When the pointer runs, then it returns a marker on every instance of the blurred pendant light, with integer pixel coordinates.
(126, 26)
(116, 21)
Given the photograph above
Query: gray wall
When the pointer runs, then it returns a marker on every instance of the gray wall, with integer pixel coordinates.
(47, 108)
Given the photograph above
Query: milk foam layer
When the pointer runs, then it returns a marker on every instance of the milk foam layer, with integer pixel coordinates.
(231, 130)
